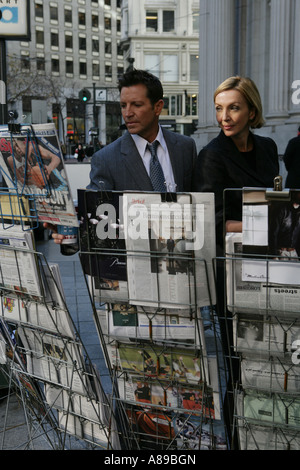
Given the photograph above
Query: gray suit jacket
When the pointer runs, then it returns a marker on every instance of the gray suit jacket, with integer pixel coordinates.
(119, 167)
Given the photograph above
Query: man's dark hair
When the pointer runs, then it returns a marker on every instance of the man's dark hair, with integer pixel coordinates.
(136, 77)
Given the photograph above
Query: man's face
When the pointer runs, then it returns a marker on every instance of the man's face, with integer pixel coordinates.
(140, 116)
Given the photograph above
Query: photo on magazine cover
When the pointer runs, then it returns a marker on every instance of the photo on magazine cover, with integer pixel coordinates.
(31, 163)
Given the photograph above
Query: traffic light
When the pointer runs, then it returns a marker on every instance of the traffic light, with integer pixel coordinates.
(84, 95)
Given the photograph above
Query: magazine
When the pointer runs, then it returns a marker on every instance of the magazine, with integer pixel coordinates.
(31, 163)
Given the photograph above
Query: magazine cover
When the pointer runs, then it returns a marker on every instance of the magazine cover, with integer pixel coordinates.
(31, 162)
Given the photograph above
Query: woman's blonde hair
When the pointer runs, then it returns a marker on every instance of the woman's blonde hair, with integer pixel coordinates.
(249, 90)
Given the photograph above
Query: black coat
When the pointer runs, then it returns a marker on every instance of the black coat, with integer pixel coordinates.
(221, 166)
(291, 159)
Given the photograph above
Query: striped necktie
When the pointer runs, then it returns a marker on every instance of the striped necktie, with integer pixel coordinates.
(156, 172)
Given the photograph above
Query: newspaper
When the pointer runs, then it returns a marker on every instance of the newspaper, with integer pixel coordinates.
(262, 335)
(37, 315)
(53, 286)
(279, 409)
(19, 271)
(130, 323)
(260, 436)
(54, 359)
(259, 297)
(31, 163)
(270, 375)
(170, 248)
(97, 434)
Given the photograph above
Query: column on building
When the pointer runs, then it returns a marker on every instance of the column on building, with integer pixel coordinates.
(294, 101)
(279, 86)
(216, 59)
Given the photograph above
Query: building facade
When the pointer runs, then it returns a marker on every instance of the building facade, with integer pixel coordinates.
(255, 38)
(162, 36)
(74, 44)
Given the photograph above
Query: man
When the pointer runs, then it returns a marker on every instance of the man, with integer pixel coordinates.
(125, 163)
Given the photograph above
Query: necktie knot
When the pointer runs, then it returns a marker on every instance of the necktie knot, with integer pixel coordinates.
(153, 148)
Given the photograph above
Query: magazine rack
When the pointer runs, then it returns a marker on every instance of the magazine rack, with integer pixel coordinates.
(163, 350)
(262, 299)
(47, 364)
(42, 357)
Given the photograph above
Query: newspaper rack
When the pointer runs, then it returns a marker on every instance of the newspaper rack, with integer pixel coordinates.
(262, 313)
(163, 352)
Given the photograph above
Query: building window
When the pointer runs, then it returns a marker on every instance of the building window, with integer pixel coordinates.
(194, 63)
(168, 21)
(151, 21)
(172, 105)
(120, 51)
(68, 16)
(39, 37)
(39, 10)
(95, 20)
(53, 13)
(170, 68)
(96, 69)
(191, 105)
(151, 62)
(82, 43)
(107, 23)
(95, 45)
(40, 63)
(54, 39)
(108, 71)
(82, 68)
(81, 18)
(118, 26)
(107, 3)
(55, 65)
(25, 62)
(108, 47)
(69, 66)
(68, 41)
(196, 22)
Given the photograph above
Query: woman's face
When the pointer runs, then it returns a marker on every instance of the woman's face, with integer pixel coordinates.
(233, 113)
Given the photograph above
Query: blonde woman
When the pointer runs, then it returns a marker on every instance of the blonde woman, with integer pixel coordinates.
(237, 157)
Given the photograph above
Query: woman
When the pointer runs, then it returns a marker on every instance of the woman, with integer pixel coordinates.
(236, 158)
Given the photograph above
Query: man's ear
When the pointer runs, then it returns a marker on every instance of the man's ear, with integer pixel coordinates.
(158, 107)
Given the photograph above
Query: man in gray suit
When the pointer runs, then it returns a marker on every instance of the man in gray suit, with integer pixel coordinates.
(125, 164)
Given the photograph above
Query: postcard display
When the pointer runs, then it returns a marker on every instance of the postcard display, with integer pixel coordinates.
(263, 295)
(41, 353)
(148, 261)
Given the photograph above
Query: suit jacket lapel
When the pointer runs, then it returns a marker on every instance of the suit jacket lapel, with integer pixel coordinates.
(174, 150)
(134, 164)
